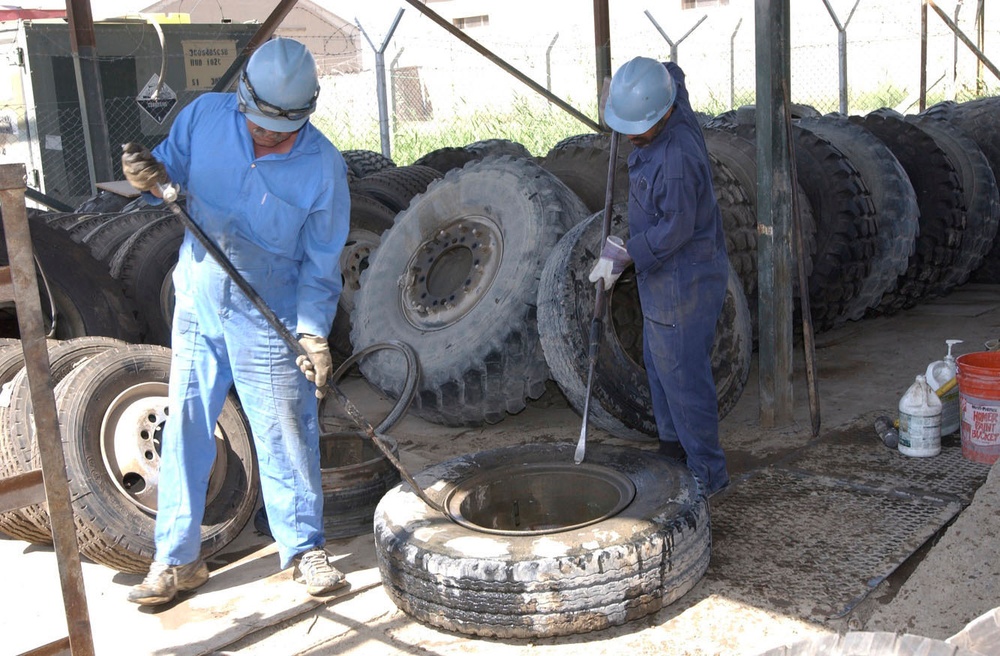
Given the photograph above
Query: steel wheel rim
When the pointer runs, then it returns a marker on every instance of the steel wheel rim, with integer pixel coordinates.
(130, 445)
(450, 272)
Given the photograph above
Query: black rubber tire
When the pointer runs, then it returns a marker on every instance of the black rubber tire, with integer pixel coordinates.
(982, 198)
(620, 402)
(79, 230)
(980, 120)
(446, 158)
(105, 239)
(894, 200)
(587, 578)
(584, 169)
(366, 162)
(739, 154)
(65, 220)
(369, 219)
(144, 264)
(869, 643)
(19, 449)
(396, 187)
(104, 202)
(739, 219)
(477, 340)
(498, 147)
(88, 301)
(114, 527)
(14, 523)
(940, 198)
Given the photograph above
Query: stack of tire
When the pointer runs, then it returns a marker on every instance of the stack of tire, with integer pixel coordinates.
(110, 399)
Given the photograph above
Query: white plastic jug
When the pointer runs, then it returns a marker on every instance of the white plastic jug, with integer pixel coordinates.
(920, 421)
(939, 374)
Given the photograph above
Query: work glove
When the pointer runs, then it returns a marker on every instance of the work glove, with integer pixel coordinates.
(318, 365)
(614, 258)
(142, 170)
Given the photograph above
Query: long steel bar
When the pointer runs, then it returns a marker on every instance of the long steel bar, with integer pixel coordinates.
(36, 362)
(966, 40)
(486, 52)
(89, 91)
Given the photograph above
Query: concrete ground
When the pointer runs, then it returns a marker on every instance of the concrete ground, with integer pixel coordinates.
(249, 608)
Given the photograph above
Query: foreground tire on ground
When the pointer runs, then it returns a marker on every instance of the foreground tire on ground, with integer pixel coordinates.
(456, 277)
(869, 643)
(78, 295)
(111, 415)
(893, 198)
(530, 583)
(620, 401)
(31, 523)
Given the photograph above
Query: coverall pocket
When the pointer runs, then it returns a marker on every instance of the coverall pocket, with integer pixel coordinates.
(276, 224)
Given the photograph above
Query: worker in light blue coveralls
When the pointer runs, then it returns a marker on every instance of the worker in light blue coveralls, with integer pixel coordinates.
(271, 191)
(678, 246)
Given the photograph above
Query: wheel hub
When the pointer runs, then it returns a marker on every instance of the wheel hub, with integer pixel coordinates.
(450, 273)
(535, 499)
(353, 261)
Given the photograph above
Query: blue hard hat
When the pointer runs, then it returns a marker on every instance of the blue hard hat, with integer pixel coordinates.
(279, 86)
(641, 92)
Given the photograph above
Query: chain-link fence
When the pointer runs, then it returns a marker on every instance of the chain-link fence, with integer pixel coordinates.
(440, 92)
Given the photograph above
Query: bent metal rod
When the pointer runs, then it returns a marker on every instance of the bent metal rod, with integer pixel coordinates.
(170, 196)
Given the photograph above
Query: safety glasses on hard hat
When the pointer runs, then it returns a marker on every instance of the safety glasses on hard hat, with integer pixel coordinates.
(273, 111)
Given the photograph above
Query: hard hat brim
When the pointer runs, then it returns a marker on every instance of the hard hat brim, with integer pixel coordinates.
(622, 126)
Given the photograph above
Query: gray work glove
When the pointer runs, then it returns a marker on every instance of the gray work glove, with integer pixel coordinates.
(318, 365)
(614, 258)
(142, 170)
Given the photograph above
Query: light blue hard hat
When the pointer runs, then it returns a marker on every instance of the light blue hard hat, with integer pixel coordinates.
(279, 86)
(641, 92)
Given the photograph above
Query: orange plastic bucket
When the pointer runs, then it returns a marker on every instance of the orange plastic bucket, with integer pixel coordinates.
(979, 405)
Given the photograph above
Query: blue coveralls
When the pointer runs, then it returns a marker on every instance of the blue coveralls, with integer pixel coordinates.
(679, 249)
(282, 221)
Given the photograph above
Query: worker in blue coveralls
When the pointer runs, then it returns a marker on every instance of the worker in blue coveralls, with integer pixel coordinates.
(677, 243)
(271, 191)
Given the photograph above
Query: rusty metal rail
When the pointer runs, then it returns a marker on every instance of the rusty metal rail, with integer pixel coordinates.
(51, 486)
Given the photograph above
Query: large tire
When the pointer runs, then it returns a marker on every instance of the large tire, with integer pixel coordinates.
(514, 585)
(846, 230)
(498, 147)
(85, 298)
(940, 199)
(13, 523)
(584, 169)
(456, 277)
(31, 523)
(980, 120)
(982, 199)
(104, 240)
(447, 158)
(111, 412)
(366, 162)
(369, 219)
(739, 155)
(396, 187)
(620, 401)
(894, 200)
(739, 220)
(144, 264)
(104, 202)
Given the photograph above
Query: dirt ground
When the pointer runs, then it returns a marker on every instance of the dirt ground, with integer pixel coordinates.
(864, 368)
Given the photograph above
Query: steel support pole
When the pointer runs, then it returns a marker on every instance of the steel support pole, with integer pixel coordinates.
(774, 213)
(732, 65)
(922, 105)
(36, 363)
(602, 46)
(89, 92)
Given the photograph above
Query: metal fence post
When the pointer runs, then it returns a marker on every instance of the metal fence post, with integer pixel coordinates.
(380, 90)
(842, 50)
(673, 46)
(732, 65)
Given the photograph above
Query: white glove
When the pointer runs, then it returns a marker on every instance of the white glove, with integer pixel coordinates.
(318, 365)
(614, 258)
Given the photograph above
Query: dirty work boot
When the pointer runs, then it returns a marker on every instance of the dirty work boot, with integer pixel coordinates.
(163, 582)
(314, 569)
